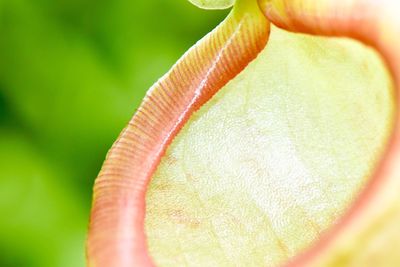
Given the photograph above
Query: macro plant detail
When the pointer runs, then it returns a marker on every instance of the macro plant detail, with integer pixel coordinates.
(265, 144)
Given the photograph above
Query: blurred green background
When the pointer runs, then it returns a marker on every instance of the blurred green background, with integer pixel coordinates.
(72, 73)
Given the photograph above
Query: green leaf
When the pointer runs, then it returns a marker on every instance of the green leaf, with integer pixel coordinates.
(213, 4)
(42, 214)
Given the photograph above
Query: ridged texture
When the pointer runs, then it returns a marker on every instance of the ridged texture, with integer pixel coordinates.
(375, 23)
(116, 231)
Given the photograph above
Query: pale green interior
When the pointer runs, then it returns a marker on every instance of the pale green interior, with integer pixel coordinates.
(274, 158)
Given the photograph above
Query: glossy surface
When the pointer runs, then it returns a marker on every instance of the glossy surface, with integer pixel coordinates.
(274, 159)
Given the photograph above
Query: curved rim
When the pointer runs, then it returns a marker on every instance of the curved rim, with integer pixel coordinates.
(116, 230)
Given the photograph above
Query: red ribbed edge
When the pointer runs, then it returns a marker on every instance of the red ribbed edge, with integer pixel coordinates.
(116, 231)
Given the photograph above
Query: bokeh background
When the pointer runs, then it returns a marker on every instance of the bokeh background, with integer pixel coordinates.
(72, 73)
